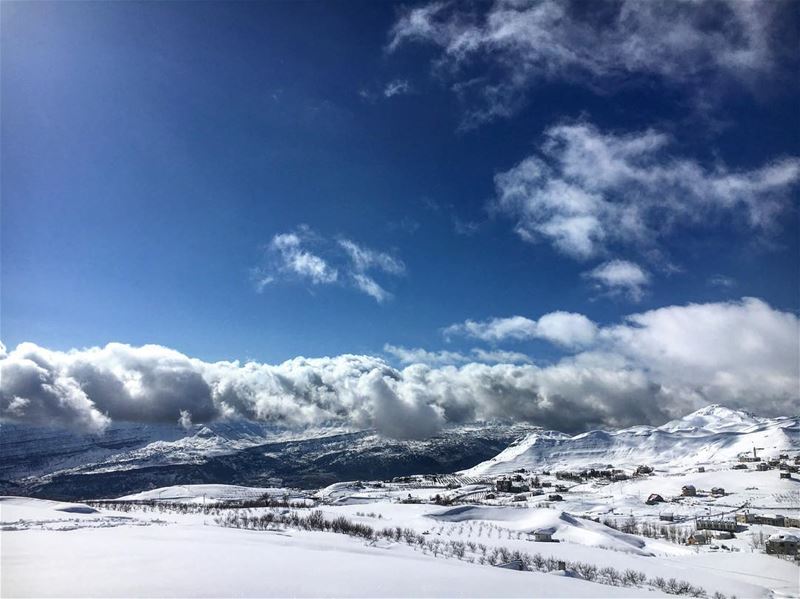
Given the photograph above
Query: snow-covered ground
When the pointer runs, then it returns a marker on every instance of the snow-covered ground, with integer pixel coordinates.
(178, 541)
(51, 548)
(188, 556)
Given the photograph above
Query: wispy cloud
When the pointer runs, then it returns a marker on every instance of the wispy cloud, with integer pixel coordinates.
(297, 260)
(398, 87)
(364, 258)
(494, 53)
(587, 190)
(306, 256)
(722, 281)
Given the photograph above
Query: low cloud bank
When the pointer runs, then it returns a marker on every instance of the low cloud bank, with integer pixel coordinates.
(651, 367)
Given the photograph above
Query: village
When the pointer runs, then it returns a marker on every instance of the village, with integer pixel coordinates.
(710, 517)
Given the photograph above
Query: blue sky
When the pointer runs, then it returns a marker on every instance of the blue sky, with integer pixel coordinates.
(153, 153)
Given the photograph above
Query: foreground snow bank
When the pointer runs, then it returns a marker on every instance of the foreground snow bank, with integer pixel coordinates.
(194, 560)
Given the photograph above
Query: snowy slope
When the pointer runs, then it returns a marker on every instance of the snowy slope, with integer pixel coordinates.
(188, 558)
(129, 458)
(711, 436)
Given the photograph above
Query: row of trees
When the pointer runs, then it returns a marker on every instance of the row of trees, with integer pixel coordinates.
(467, 551)
(644, 528)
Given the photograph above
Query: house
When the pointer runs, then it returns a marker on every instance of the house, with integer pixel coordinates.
(666, 516)
(503, 485)
(772, 520)
(717, 492)
(701, 469)
(544, 535)
(555, 497)
(783, 544)
(520, 497)
(697, 538)
(716, 524)
(791, 521)
(723, 535)
(688, 491)
(640, 470)
(654, 498)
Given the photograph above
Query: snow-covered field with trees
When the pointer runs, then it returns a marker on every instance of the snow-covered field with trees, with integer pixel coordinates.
(556, 532)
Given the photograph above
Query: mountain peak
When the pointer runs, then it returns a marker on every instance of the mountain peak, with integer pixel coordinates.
(715, 418)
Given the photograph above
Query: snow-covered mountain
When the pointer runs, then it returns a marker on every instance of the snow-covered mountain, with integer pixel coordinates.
(710, 436)
(129, 458)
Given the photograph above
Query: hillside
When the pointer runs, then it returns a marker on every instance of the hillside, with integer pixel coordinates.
(708, 437)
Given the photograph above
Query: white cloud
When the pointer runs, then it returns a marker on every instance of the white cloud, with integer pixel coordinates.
(566, 328)
(722, 281)
(305, 255)
(499, 356)
(496, 329)
(727, 348)
(416, 355)
(300, 261)
(369, 286)
(587, 190)
(398, 87)
(185, 419)
(651, 367)
(496, 52)
(563, 328)
(621, 276)
(365, 259)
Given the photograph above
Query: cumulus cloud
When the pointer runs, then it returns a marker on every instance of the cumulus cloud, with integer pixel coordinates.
(620, 277)
(587, 190)
(650, 367)
(563, 328)
(494, 53)
(306, 256)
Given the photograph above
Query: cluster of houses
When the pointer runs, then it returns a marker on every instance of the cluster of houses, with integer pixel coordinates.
(725, 528)
(609, 473)
(783, 462)
(769, 519)
(517, 485)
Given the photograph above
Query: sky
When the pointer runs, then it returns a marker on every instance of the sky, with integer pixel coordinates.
(377, 212)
